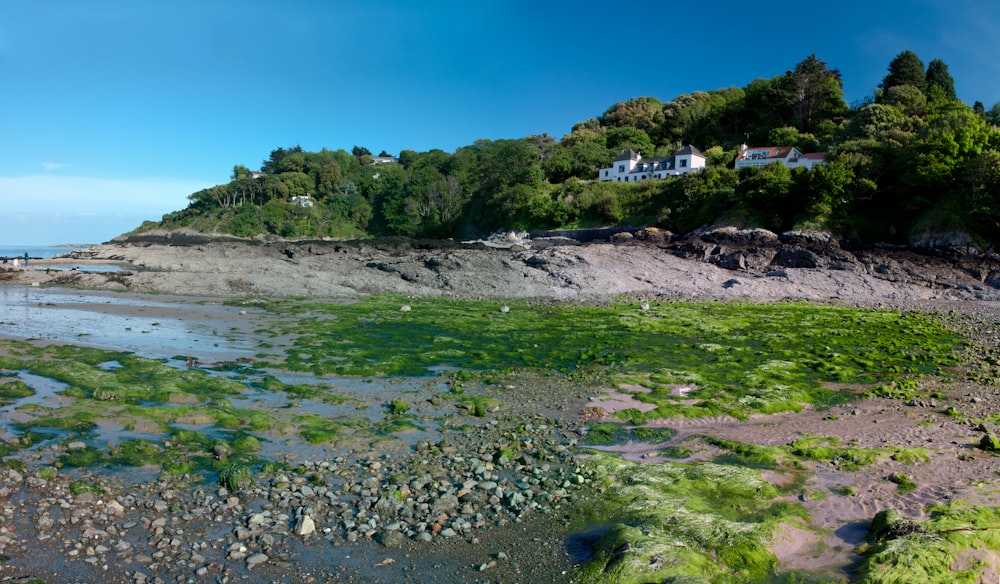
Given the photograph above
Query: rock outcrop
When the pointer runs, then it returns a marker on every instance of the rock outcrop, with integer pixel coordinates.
(721, 263)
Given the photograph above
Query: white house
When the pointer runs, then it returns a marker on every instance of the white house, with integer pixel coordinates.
(302, 200)
(787, 155)
(630, 166)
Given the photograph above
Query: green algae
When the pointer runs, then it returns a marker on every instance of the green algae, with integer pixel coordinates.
(685, 522)
(14, 390)
(822, 448)
(236, 477)
(734, 359)
(316, 429)
(955, 545)
(599, 433)
(80, 486)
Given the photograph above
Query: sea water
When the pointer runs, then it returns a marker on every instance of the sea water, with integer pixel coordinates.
(37, 251)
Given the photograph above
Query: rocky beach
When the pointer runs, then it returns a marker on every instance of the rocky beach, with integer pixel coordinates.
(456, 506)
(717, 264)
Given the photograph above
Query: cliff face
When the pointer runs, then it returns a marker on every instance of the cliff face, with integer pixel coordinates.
(723, 263)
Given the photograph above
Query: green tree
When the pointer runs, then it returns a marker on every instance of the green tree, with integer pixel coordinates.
(762, 197)
(789, 136)
(643, 113)
(581, 160)
(703, 117)
(620, 139)
(905, 69)
(272, 164)
(327, 177)
(993, 115)
(246, 221)
(239, 172)
(766, 107)
(907, 99)
(812, 90)
(940, 83)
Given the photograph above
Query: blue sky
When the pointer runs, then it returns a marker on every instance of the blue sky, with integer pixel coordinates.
(113, 112)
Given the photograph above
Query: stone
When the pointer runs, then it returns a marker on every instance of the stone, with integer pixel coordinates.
(305, 526)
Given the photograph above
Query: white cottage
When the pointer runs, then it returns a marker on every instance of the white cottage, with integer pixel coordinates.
(787, 155)
(630, 166)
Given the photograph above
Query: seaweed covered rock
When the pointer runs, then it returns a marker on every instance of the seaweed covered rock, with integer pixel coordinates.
(236, 477)
(700, 522)
(990, 442)
(889, 524)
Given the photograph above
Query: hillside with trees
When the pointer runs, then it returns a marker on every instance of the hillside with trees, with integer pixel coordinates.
(911, 159)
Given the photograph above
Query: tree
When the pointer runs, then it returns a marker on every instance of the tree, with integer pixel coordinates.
(907, 99)
(812, 89)
(703, 117)
(644, 113)
(620, 139)
(939, 80)
(905, 69)
(993, 116)
(359, 151)
(789, 136)
(982, 193)
(765, 107)
(271, 165)
(240, 171)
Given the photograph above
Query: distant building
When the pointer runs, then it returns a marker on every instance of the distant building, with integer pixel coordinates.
(384, 159)
(787, 155)
(630, 166)
(255, 174)
(302, 200)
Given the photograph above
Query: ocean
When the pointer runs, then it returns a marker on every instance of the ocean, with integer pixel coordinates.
(37, 251)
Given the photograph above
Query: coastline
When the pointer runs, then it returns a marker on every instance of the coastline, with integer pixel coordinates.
(221, 268)
(723, 264)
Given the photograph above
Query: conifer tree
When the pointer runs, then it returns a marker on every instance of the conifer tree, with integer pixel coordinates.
(905, 69)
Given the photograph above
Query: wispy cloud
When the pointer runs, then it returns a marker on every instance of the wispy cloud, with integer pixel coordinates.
(54, 165)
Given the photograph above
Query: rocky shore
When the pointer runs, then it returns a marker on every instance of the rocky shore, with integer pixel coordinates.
(456, 510)
(722, 263)
(461, 508)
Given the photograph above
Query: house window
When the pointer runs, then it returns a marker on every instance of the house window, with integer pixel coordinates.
(684, 163)
(621, 168)
(626, 179)
(605, 173)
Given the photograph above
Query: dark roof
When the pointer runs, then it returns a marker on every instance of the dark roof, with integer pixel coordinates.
(628, 155)
(689, 149)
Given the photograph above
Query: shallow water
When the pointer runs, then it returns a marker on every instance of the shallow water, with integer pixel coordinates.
(167, 328)
(96, 320)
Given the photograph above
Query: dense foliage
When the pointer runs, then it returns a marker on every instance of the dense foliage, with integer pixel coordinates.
(909, 160)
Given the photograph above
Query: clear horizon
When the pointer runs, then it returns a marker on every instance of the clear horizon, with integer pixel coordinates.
(118, 111)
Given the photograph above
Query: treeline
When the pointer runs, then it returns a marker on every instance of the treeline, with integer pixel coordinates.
(911, 158)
